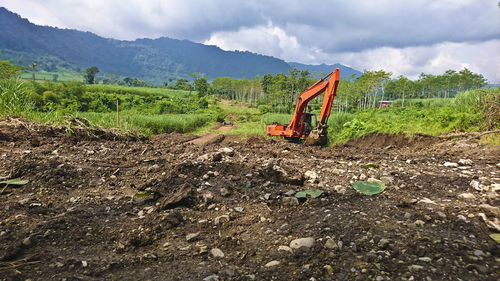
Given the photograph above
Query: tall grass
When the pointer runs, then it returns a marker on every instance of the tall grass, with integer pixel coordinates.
(148, 124)
(14, 97)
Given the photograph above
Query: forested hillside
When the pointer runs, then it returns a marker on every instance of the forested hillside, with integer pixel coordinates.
(154, 60)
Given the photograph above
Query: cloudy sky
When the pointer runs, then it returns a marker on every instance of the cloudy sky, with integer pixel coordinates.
(406, 37)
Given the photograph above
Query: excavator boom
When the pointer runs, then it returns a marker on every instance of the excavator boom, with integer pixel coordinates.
(300, 125)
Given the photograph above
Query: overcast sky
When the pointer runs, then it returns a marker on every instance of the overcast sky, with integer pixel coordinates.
(406, 37)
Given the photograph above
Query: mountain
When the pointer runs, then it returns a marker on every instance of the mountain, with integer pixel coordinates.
(153, 60)
(319, 71)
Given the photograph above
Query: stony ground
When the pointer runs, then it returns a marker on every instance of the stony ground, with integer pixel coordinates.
(103, 206)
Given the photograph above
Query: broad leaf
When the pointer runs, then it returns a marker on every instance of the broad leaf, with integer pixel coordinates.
(369, 188)
(17, 181)
(496, 237)
(142, 194)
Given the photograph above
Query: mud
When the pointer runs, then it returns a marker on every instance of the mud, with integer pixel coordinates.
(104, 206)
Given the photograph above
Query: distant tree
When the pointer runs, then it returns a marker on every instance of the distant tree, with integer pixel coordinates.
(128, 81)
(89, 74)
(33, 67)
(54, 77)
(183, 84)
(9, 70)
(201, 85)
(267, 81)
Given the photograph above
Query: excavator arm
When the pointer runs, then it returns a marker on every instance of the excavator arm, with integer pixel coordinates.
(296, 129)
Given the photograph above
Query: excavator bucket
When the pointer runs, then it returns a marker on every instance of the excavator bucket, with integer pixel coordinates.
(316, 137)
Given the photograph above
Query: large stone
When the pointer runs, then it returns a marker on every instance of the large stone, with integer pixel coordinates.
(192, 236)
(307, 242)
(466, 196)
(495, 211)
(272, 263)
(290, 201)
(310, 175)
(217, 253)
(330, 244)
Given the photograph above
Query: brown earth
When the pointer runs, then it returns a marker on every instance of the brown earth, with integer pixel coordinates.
(104, 206)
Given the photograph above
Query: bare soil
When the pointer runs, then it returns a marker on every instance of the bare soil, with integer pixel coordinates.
(105, 206)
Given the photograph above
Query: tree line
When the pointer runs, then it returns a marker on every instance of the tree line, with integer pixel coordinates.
(280, 91)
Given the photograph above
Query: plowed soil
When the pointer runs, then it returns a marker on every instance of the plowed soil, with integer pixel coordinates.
(105, 206)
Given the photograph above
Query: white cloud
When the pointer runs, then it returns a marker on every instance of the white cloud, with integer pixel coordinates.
(405, 37)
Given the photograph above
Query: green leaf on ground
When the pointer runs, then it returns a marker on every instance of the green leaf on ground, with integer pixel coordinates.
(369, 188)
(313, 193)
(16, 181)
(496, 237)
(142, 194)
(367, 166)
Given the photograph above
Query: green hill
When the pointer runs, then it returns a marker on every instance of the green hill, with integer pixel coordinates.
(153, 60)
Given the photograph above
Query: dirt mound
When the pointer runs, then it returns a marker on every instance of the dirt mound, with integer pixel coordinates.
(75, 130)
(167, 209)
(379, 140)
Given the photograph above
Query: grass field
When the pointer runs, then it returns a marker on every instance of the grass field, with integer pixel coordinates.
(159, 110)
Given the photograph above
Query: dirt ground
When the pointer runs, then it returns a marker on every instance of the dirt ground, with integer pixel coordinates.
(104, 206)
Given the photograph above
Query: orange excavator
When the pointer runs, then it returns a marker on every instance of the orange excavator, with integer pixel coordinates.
(300, 126)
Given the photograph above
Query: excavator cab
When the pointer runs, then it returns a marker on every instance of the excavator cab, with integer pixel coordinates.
(307, 124)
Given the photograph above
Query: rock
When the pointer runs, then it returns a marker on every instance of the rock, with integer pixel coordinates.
(238, 209)
(407, 215)
(284, 248)
(217, 253)
(225, 192)
(84, 263)
(192, 236)
(415, 267)
(212, 277)
(310, 175)
(427, 201)
(229, 272)
(27, 241)
(450, 164)
(220, 219)
(495, 211)
(227, 150)
(479, 253)
(207, 197)
(272, 263)
(330, 244)
(387, 180)
(466, 196)
(383, 243)
(340, 189)
(248, 184)
(425, 259)
(476, 185)
(267, 196)
(419, 223)
(329, 269)
(307, 242)
(465, 162)
(441, 214)
(290, 201)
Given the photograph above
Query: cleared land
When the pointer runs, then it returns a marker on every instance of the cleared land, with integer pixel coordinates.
(101, 205)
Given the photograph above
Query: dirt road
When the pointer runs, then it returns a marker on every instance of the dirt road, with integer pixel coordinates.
(101, 206)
